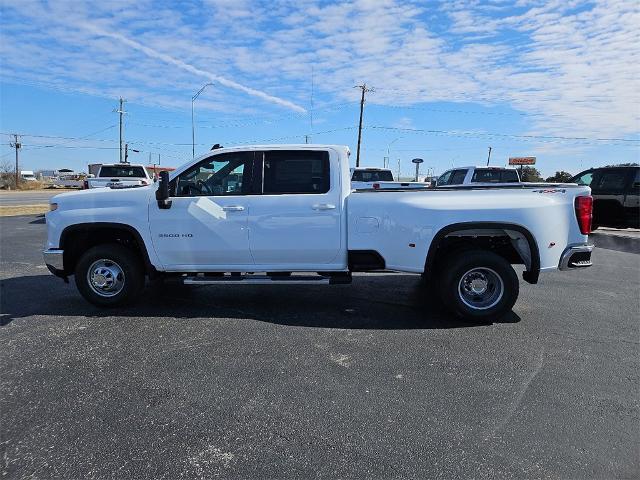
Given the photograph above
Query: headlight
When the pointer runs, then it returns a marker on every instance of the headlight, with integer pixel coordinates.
(53, 206)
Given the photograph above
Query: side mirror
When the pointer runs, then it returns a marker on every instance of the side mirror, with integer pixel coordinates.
(162, 193)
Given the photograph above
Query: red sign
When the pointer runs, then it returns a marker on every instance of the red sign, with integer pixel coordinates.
(522, 160)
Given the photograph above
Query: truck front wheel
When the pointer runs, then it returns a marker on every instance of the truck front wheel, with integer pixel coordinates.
(109, 275)
(479, 285)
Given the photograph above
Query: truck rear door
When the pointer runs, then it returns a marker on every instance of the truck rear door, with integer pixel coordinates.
(296, 220)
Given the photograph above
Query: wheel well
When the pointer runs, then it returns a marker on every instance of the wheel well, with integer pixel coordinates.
(512, 242)
(77, 239)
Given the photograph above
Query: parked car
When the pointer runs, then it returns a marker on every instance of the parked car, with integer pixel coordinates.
(289, 208)
(478, 176)
(119, 175)
(378, 178)
(616, 195)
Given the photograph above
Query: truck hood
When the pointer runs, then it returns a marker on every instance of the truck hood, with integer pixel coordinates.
(103, 197)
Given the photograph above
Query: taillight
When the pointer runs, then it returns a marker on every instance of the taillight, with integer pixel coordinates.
(376, 186)
(85, 184)
(584, 213)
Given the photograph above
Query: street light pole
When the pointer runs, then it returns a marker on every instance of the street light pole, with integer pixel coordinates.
(389, 149)
(193, 127)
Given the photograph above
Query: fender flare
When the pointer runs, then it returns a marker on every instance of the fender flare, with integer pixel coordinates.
(88, 227)
(531, 275)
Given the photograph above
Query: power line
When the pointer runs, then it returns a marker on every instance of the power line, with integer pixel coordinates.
(505, 135)
(80, 138)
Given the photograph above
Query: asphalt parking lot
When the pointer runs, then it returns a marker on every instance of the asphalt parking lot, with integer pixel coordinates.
(369, 380)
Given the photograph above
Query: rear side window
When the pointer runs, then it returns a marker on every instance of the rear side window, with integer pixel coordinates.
(122, 171)
(372, 176)
(611, 181)
(457, 177)
(295, 171)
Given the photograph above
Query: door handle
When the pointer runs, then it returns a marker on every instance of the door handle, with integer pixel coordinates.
(233, 208)
(323, 206)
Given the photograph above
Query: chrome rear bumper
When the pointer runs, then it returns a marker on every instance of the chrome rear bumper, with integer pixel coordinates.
(576, 256)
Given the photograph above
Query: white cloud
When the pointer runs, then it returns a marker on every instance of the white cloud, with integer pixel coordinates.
(575, 67)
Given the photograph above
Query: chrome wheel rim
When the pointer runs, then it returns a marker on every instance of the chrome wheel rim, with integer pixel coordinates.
(480, 288)
(105, 277)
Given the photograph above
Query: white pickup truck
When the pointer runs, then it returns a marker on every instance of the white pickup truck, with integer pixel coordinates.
(227, 216)
(119, 175)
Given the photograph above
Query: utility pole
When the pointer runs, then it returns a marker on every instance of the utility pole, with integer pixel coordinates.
(364, 89)
(306, 139)
(398, 171)
(121, 112)
(489, 157)
(17, 145)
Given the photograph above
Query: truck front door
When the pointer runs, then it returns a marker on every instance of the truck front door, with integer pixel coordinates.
(206, 226)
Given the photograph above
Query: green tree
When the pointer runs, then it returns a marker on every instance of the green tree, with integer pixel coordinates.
(530, 174)
(560, 177)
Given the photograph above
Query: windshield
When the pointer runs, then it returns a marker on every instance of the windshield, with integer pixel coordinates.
(122, 171)
(372, 176)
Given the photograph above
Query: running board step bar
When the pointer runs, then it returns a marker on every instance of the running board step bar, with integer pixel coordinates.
(268, 280)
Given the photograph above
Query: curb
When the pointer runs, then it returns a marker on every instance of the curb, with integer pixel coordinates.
(616, 242)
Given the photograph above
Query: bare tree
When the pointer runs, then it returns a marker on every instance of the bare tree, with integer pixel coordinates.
(7, 174)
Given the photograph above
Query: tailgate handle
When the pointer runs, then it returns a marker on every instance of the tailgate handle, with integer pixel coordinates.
(323, 206)
(233, 208)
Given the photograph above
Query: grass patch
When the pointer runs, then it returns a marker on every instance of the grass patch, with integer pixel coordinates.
(15, 210)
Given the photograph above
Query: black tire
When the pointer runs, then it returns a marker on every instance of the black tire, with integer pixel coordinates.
(466, 273)
(105, 261)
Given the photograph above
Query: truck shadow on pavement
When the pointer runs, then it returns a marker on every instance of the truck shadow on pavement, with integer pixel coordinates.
(378, 302)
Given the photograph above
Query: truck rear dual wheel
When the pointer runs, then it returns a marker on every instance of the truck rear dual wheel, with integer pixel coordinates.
(109, 275)
(479, 285)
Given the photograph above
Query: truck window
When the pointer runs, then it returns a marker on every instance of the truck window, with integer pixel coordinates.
(122, 171)
(486, 175)
(372, 176)
(583, 178)
(444, 178)
(510, 176)
(295, 171)
(220, 175)
(612, 181)
(457, 177)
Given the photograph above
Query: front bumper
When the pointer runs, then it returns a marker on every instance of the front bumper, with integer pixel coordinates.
(53, 259)
(576, 256)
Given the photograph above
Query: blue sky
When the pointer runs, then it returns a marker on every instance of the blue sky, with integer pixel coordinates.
(556, 79)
